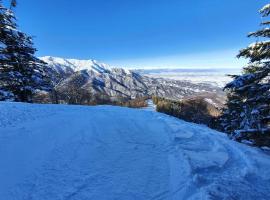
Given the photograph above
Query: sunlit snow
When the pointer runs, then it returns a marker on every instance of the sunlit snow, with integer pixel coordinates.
(104, 152)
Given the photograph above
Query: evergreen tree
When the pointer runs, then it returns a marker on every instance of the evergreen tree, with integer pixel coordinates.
(247, 116)
(13, 4)
(21, 73)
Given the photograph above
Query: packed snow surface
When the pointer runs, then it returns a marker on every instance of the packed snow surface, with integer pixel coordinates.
(51, 152)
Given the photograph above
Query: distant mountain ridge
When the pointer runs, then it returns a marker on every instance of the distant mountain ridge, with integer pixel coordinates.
(215, 76)
(98, 78)
(76, 65)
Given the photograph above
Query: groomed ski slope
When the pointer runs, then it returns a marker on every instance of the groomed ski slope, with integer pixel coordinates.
(57, 152)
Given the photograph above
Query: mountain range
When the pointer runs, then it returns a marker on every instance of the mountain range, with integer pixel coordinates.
(99, 78)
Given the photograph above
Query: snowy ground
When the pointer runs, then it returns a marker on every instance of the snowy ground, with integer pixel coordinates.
(150, 105)
(51, 152)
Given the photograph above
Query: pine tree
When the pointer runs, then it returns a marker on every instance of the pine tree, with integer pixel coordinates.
(13, 4)
(21, 73)
(247, 116)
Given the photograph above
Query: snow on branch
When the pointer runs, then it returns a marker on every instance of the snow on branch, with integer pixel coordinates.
(246, 79)
(265, 11)
(256, 51)
(260, 33)
(265, 23)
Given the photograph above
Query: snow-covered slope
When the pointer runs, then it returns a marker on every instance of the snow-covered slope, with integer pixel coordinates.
(75, 153)
(116, 82)
(75, 65)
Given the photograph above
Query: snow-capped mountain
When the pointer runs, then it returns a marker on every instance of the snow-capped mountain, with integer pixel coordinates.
(66, 65)
(99, 78)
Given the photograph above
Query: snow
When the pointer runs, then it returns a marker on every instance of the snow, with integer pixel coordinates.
(265, 8)
(210, 101)
(150, 105)
(8, 96)
(77, 65)
(105, 152)
(240, 81)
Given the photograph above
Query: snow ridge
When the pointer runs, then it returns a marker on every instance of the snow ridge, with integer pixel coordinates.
(75, 65)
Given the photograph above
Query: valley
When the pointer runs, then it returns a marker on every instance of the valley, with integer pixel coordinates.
(116, 84)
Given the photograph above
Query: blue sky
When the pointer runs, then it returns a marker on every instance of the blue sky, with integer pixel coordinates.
(142, 33)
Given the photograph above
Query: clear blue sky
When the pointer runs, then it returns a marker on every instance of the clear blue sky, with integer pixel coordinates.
(142, 33)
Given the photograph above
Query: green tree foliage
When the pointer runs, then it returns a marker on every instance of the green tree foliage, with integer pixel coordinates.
(248, 113)
(21, 73)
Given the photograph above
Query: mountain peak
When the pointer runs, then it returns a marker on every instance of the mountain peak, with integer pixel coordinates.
(75, 64)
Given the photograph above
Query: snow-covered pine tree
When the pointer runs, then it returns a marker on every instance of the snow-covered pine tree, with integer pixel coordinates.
(247, 116)
(21, 73)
